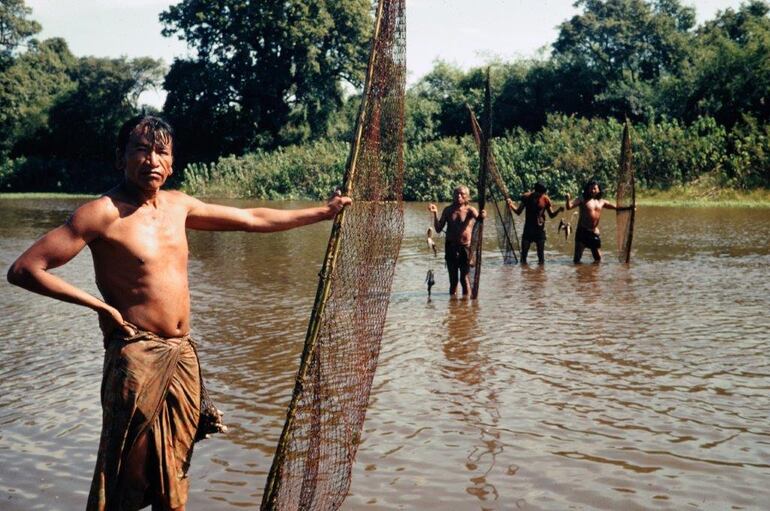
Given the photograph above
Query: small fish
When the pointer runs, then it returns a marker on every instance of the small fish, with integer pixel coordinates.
(566, 225)
(431, 243)
(430, 281)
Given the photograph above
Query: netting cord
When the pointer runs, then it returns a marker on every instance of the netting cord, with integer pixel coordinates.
(322, 294)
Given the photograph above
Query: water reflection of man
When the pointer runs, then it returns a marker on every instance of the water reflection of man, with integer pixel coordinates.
(151, 384)
(587, 232)
(472, 367)
(459, 218)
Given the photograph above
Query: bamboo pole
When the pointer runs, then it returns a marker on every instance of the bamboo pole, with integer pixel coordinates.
(273, 484)
(626, 168)
(482, 185)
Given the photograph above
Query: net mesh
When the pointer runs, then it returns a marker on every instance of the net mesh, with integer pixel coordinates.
(313, 461)
(625, 197)
(507, 237)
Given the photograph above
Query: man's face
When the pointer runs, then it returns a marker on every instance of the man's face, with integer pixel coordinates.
(461, 196)
(147, 164)
(594, 191)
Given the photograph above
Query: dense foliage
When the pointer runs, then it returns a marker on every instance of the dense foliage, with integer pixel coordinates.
(264, 108)
(266, 73)
(564, 154)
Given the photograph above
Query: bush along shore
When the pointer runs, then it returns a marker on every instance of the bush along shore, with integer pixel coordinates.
(700, 163)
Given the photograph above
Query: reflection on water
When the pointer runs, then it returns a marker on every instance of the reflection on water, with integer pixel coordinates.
(563, 387)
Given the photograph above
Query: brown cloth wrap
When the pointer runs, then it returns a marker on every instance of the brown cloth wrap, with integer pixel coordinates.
(150, 384)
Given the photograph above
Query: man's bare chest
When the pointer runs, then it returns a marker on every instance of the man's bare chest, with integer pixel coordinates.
(458, 216)
(144, 238)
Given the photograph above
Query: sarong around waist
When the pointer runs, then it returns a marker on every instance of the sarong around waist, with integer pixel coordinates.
(150, 384)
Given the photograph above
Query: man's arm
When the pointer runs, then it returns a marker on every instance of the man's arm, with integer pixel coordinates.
(215, 217)
(609, 205)
(551, 212)
(572, 203)
(513, 207)
(438, 224)
(59, 246)
(476, 214)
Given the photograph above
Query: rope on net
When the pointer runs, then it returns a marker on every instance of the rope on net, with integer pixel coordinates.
(313, 461)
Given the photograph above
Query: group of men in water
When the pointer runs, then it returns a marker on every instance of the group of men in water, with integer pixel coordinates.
(151, 386)
(460, 217)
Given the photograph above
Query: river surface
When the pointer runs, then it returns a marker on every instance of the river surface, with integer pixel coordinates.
(562, 387)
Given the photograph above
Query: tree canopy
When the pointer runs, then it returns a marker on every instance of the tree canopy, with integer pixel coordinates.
(14, 27)
(266, 73)
(270, 73)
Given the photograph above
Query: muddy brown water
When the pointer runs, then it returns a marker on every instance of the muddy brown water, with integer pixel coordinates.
(563, 387)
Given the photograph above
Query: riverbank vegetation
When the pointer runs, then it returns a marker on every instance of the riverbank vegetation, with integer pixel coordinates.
(275, 121)
(567, 151)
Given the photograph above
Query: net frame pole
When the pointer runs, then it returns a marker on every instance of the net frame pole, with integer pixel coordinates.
(482, 184)
(498, 180)
(626, 157)
(272, 485)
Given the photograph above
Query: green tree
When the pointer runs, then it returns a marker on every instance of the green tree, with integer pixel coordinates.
(442, 96)
(273, 68)
(14, 28)
(730, 75)
(531, 90)
(35, 81)
(82, 124)
(628, 45)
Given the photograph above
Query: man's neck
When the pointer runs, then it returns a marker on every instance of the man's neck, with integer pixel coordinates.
(138, 196)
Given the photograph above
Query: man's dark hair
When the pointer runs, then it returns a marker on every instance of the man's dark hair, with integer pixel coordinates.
(154, 127)
(540, 187)
(587, 189)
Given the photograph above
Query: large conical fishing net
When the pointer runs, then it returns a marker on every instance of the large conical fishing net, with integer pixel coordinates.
(313, 461)
(507, 237)
(477, 237)
(625, 197)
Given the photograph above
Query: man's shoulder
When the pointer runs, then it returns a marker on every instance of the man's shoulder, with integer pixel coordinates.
(175, 194)
(94, 215)
(103, 205)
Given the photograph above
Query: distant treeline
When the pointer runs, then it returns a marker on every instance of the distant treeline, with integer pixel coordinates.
(261, 110)
(564, 154)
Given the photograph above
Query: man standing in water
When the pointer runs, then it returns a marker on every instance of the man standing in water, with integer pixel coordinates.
(537, 203)
(587, 232)
(459, 218)
(151, 382)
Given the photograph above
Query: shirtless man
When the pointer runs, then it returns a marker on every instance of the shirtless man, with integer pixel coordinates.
(537, 203)
(458, 218)
(587, 232)
(151, 386)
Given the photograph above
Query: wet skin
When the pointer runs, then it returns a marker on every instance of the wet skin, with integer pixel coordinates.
(136, 233)
(458, 218)
(590, 214)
